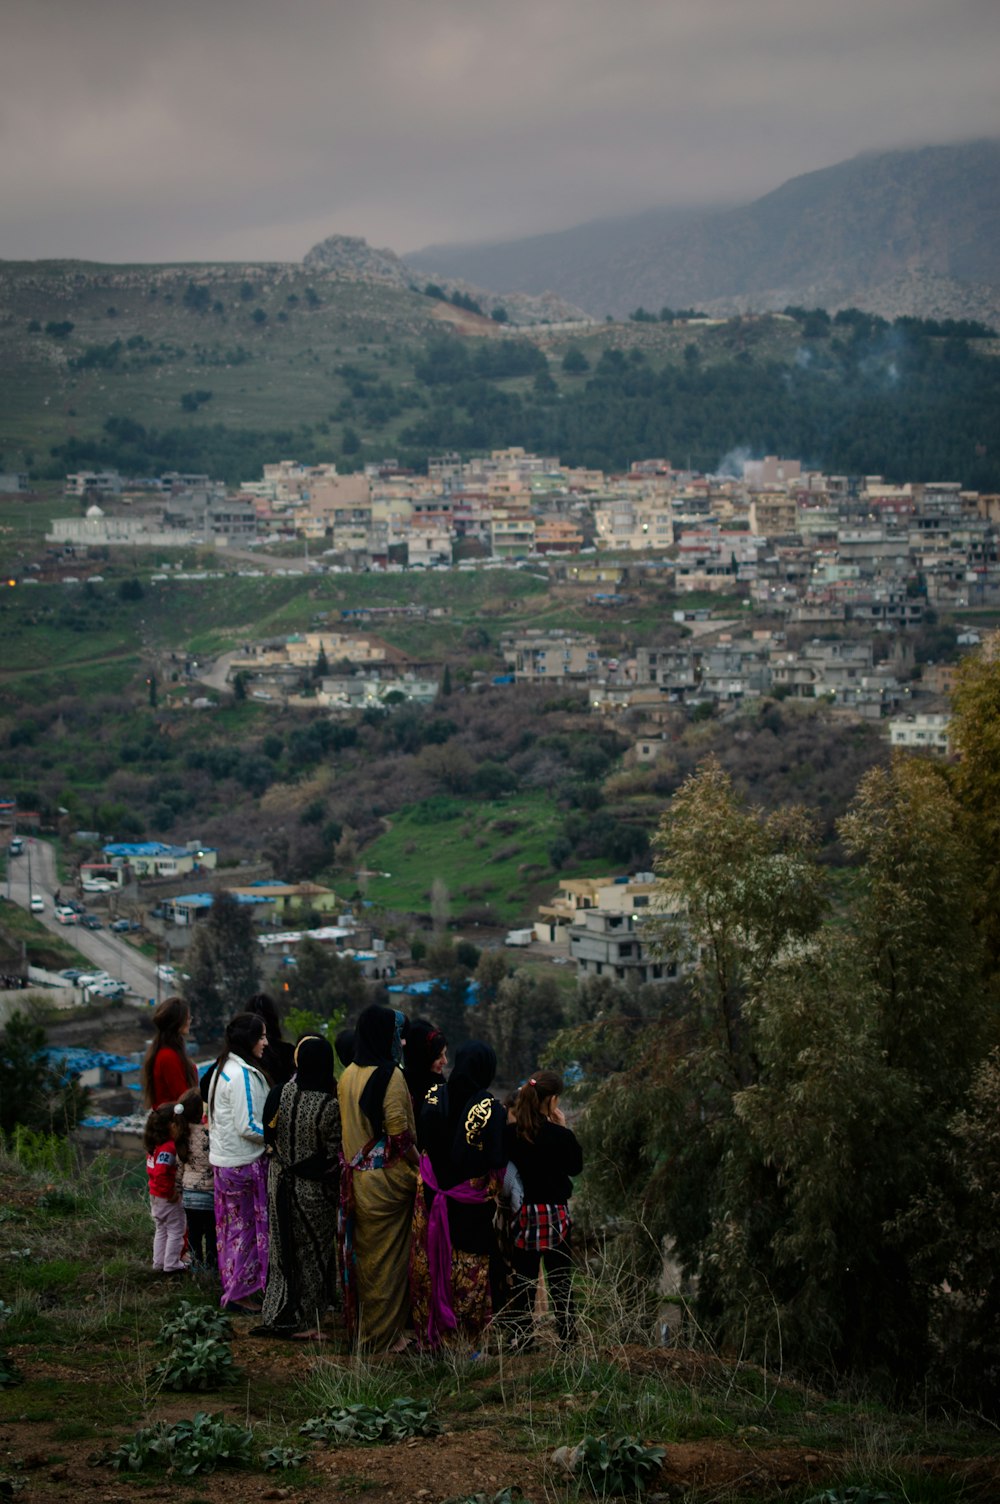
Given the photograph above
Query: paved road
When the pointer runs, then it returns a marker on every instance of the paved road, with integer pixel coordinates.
(108, 951)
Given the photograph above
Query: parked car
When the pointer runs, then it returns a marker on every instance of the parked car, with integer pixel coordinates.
(16, 846)
(72, 973)
(37, 904)
(97, 885)
(90, 922)
(167, 973)
(125, 926)
(90, 978)
(65, 914)
(71, 903)
(111, 990)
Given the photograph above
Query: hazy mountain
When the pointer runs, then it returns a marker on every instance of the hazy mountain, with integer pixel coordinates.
(898, 232)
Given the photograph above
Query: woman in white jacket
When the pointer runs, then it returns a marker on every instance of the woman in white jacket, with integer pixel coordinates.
(236, 1151)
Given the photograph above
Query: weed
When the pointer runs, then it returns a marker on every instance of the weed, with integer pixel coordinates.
(505, 1496)
(621, 1466)
(282, 1458)
(362, 1424)
(199, 1445)
(43, 1152)
(851, 1496)
(196, 1363)
(190, 1320)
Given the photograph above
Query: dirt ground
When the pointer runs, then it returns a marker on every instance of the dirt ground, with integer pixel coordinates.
(485, 1453)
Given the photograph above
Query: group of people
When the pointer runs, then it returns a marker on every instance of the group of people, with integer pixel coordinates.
(412, 1198)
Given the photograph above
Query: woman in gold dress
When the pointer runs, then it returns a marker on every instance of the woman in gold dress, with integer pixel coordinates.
(378, 1180)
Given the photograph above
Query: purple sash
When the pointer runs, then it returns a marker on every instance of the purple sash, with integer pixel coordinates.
(441, 1316)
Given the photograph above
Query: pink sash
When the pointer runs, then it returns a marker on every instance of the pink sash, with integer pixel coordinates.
(441, 1316)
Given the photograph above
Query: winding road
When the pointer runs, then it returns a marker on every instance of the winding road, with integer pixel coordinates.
(108, 951)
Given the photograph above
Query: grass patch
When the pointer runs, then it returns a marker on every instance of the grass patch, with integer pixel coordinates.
(461, 844)
(84, 1332)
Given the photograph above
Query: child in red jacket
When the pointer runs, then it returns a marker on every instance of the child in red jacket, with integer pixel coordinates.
(166, 1129)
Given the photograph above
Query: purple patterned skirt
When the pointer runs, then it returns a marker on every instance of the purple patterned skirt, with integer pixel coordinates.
(241, 1223)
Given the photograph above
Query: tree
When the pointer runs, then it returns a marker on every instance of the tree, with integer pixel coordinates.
(574, 362)
(33, 1094)
(440, 904)
(975, 734)
(518, 1022)
(222, 965)
(327, 984)
(793, 1101)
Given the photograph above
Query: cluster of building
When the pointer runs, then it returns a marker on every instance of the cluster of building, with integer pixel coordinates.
(835, 561)
(820, 547)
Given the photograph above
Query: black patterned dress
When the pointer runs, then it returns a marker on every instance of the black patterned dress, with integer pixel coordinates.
(302, 1131)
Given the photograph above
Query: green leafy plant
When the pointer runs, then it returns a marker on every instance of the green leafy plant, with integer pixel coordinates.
(504, 1496)
(852, 1495)
(279, 1458)
(190, 1320)
(196, 1363)
(199, 1445)
(365, 1425)
(621, 1466)
(43, 1152)
(55, 1200)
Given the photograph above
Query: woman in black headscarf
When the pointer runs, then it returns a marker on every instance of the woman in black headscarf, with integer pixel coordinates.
(378, 1178)
(425, 1061)
(456, 1271)
(278, 1059)
(302, 1133)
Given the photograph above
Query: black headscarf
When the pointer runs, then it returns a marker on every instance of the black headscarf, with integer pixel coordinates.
(444, 1117)
(475, 1068)
(424, 1044)
(314, 1065)
(378, 1042)
(344, 1045)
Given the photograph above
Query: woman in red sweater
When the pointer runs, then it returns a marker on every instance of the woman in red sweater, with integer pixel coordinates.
(168, 1070)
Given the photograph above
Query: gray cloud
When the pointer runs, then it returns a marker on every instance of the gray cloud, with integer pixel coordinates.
(134, 129)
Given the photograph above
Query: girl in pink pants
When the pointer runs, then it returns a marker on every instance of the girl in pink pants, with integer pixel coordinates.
(166, 1132)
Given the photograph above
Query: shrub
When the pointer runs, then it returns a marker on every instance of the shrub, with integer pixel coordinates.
(196, 1363)
(365, 1425)
(192, 1446)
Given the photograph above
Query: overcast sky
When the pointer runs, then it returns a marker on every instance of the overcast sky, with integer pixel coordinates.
(155, 130)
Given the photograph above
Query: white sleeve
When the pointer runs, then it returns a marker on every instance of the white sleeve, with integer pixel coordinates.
(248, 1102)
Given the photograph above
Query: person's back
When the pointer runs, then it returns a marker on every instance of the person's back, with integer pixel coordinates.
(236, 1099)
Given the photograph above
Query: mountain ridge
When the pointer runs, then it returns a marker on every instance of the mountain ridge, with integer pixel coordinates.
(913, 231)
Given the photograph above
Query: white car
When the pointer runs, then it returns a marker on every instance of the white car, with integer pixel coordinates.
(167, 973)
(65, 916)
(91, 978)
(107, 989)
(37, 904)
(97, 885)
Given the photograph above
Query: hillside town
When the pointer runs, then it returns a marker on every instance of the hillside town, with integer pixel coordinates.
(817, 575)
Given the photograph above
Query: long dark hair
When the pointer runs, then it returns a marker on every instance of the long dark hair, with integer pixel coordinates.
(263, 1004)
(159, 1124)
(169, 1018)
(531, 1099)
(242, 1033)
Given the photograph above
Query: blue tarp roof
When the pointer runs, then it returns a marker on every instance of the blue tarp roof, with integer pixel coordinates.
(71, 1062)
(424, 989)
(205, 900)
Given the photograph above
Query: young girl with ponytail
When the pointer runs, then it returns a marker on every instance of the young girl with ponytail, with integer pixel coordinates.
(546, 1154)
